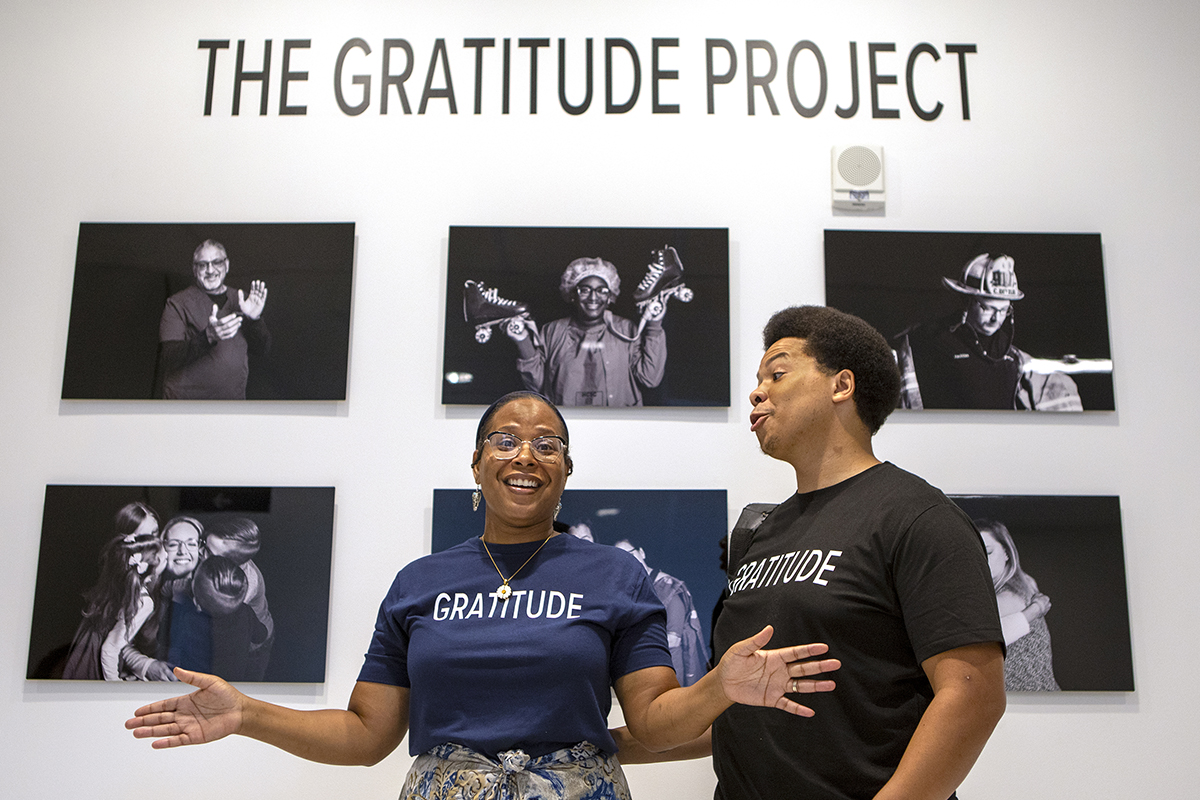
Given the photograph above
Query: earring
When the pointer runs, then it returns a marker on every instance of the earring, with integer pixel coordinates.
(557, 509)
(476, 496)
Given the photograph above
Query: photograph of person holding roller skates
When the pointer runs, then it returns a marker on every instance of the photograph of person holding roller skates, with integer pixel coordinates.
(587, 316)
(592, 357)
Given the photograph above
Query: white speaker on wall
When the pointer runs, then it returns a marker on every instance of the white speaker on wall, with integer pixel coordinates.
(858, 178)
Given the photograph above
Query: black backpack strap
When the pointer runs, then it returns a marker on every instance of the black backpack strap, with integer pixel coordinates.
(743, 531)
(737, 545)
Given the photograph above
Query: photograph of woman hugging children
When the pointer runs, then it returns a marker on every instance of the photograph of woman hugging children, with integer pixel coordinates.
(179, 578)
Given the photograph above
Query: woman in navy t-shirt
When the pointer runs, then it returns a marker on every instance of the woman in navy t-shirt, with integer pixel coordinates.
(497, 656)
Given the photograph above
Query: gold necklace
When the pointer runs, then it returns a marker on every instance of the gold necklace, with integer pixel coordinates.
(503, 591)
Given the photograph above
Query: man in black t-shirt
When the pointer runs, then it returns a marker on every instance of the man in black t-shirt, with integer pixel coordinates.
(870, 560)
(208, 330)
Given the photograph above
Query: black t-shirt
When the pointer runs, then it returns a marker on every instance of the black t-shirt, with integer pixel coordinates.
(888, 572)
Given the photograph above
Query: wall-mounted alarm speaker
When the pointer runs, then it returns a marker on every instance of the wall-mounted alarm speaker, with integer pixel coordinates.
(858, 178)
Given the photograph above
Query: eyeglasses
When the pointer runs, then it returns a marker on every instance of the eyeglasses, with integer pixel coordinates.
(587, 291)
(1000, 311)
(179, 545)
(547, 449)
(216, 262)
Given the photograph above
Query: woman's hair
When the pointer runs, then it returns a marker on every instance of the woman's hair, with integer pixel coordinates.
(582, 268)
(131, 515)
(240, 534)
(124, 561)
(1013, 577)
(486, 420)
(186, 520)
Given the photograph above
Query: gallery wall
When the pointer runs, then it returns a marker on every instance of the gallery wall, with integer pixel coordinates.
(1081, 119)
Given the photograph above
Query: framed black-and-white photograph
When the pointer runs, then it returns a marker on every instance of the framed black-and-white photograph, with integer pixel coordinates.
(135, 580)
(588, 316)
(1058, 566)
(221, 311)
(676, 534)
(982, 320)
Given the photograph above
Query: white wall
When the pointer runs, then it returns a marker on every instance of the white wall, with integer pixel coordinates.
(1083, 118)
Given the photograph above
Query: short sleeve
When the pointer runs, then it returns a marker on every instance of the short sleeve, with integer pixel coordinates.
(641, 639)
(387, 657)
(943, 583)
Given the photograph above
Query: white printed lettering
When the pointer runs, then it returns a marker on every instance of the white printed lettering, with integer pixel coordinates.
(770, 570)
(752, 581)
(532, 603)
(739, 580)
(551, 612)
(793, 568)
(460, 605)
(440, 611)
(813, 557)
(825, 567)
(541, 606)
(787, 563)
(516, 601)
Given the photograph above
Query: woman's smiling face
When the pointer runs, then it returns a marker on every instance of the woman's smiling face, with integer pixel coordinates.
(521, 491)
(590, 299)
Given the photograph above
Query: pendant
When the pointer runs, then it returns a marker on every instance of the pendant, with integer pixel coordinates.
(504, 592)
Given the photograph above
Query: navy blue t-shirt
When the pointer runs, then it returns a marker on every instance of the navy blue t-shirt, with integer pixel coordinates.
(532, 672)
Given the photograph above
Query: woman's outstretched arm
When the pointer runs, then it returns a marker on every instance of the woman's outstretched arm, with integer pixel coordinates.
(373, 724)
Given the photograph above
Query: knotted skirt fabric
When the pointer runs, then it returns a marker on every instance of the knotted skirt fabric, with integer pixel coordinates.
(454, 772)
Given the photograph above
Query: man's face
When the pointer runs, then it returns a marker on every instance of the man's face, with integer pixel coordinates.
(210, 265)
(590, 299)
(182, 545)
(793, 402)
(986, 315)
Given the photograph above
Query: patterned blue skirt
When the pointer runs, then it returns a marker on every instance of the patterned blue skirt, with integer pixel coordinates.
(454, 772)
